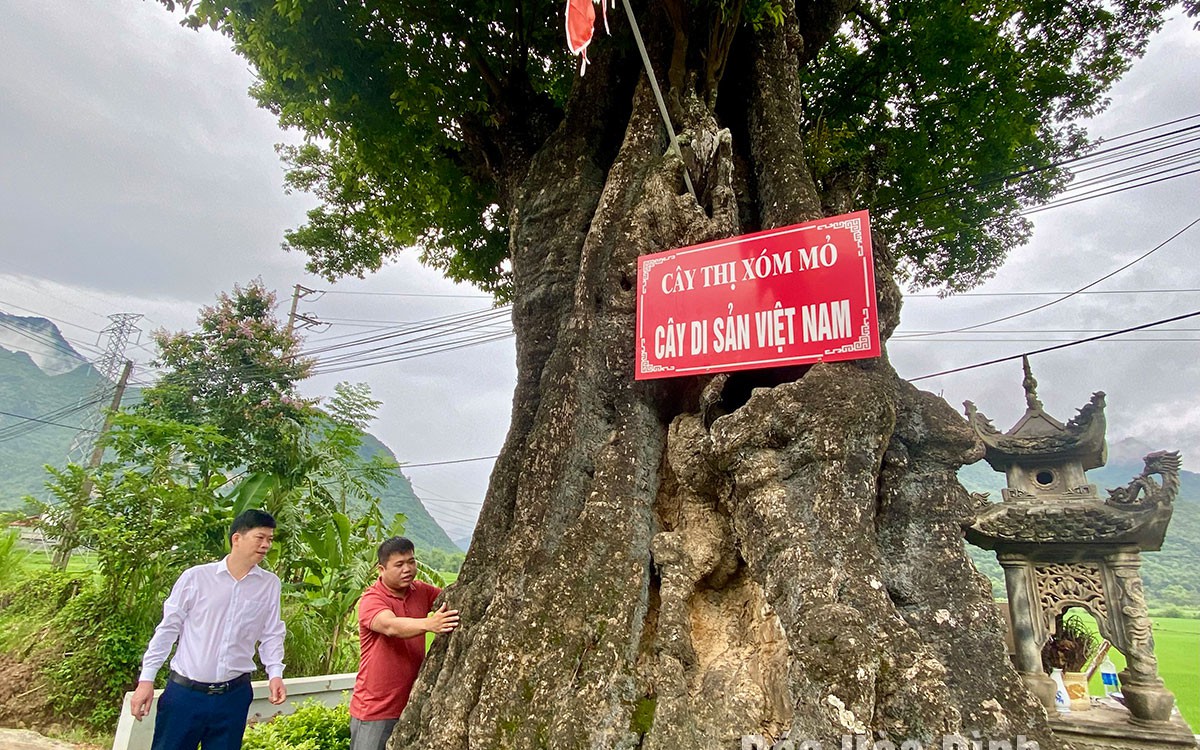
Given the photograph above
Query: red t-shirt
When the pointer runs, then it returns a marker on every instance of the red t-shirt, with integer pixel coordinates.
(388, 666)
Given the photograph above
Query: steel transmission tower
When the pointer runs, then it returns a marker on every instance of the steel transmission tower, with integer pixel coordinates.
(109, 367)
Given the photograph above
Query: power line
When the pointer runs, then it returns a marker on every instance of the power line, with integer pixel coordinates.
(1095, 194)
(950, 188)
(41, 338)
(426, 492)
(957, 295)
(1055, 348)
(450, 323)
(40, 315)
(1105, 277)
(425, 352)
(16, 280)
(1149, 128)
(407, 294)
(43, 421)
(444, 463)
(1104, 185)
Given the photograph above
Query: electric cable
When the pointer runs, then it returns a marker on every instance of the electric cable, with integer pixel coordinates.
(77, 428)
(1107, 276)
(1056, 348)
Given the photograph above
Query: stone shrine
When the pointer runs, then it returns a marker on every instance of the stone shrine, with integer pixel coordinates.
(1061, 545)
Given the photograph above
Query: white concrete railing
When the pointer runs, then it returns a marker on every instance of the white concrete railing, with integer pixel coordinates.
(327, 689)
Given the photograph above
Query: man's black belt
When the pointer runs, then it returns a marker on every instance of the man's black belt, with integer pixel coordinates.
(212, 688)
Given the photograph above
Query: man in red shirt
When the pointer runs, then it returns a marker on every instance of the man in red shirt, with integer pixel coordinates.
(393, 618)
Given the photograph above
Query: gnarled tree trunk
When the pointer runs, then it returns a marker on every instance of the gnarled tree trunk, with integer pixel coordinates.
(678, 563)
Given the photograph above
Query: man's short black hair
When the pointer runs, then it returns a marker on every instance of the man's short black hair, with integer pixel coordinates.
(251, 519)
(397, 545)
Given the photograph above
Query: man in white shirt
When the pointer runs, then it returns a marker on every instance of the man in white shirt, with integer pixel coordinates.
(217, 613)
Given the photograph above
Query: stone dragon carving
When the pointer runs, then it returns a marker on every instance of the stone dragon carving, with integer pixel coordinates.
(1144, 492)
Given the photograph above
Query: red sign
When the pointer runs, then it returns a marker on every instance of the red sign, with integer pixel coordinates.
(791, 296)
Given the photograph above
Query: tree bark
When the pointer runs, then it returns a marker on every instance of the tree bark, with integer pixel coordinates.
(679, 563)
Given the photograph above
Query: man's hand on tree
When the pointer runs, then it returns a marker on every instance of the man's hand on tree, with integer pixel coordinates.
(443, 620)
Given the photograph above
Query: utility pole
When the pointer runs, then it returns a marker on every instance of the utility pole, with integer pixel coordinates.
(87, 444)
(62, 555)
(306, 321)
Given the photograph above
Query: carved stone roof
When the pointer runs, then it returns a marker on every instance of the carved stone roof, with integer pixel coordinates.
(1039, 438)
(1088, 522)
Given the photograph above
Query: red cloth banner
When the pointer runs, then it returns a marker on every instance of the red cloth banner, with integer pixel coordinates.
(791, 296)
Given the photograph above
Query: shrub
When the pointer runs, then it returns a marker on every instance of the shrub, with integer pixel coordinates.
(307, 643)
(43, 594)
(101, 649)
(312, 727)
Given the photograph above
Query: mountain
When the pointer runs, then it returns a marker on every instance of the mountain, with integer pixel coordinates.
(27, 390)
(43, 377)
(398, 497)
(1169, 574)
(41, 341)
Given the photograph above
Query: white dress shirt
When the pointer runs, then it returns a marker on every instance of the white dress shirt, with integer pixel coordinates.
(217, 620)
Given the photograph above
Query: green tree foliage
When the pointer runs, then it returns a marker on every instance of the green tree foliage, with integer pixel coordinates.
(331, 559)
(442, 560)
(11, 557)
(424, 116)
(151, 510)
(221, 432)
(953, 115)
(237, 373)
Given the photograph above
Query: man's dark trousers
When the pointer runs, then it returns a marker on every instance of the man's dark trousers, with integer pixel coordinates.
(190, 718)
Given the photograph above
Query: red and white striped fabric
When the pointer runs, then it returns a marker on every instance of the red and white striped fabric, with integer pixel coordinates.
(581, 23)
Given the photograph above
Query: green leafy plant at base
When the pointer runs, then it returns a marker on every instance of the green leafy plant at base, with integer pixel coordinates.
(312, 727)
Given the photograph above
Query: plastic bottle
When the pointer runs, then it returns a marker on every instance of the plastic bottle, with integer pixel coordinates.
(1108, 675)
(1062, 701)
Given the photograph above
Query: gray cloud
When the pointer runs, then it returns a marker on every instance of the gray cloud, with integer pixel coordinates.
(139, 176)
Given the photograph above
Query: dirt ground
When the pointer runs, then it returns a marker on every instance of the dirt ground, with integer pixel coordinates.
(25, 715)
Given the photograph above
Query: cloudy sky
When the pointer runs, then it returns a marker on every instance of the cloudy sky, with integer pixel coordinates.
(138, 176)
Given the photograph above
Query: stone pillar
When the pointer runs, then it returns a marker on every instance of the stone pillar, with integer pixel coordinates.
(1028, 631)
(1145, 696)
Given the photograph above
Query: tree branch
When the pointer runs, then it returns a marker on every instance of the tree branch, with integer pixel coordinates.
(819, 20)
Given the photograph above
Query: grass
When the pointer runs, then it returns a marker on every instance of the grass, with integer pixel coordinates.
(40, 560)
(1176, 644)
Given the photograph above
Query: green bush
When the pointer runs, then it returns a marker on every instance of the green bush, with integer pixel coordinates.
(101, 650)
(307, 642)
(45, 593)
(312, 727)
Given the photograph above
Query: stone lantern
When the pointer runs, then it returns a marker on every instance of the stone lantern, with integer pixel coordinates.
(1061, 545)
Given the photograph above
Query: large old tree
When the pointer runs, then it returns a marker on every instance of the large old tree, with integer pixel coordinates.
(675, 564)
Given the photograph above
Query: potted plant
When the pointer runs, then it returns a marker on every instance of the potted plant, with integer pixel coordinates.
(1069, 649)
